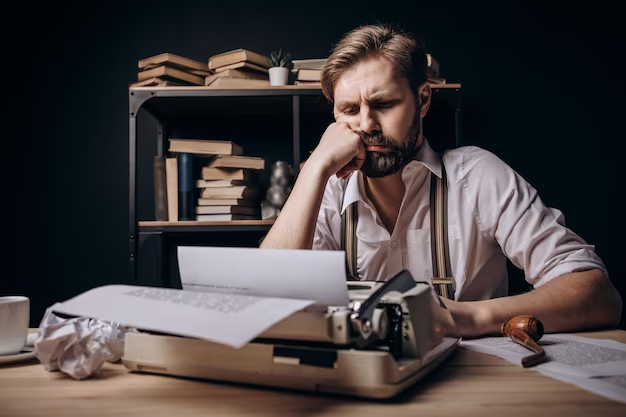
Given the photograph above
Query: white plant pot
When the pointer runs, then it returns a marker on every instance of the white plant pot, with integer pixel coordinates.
(279, 75)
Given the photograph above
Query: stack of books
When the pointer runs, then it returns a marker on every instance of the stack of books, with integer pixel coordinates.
(308, 71)
(239, 68)
(433, 73)
(226, 188)
(170, 70)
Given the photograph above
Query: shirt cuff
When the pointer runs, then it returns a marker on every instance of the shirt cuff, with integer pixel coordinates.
(583, 260)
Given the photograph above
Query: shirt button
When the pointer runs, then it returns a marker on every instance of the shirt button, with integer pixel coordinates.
(394, 244)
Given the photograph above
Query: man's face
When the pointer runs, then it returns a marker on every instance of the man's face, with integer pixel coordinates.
(378, 104)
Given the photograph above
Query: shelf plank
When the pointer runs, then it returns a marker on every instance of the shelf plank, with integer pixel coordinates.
(196, 226)
(209, 88)
(268, 88)
(181, 105)
(195, 223)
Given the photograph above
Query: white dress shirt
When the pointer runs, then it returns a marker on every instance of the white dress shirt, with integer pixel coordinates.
(493, 213)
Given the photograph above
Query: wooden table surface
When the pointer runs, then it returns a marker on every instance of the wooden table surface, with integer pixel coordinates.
(468, 384)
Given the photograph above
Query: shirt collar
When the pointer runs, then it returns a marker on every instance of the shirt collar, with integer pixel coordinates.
(429, 158)
(425, 156)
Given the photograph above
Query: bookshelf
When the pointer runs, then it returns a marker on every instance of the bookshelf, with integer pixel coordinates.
(152, 244)
(196, 226)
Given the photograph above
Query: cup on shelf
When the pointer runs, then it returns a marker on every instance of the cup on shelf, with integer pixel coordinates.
(14, 322)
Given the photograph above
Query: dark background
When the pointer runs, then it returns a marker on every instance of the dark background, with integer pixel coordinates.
(543, 88)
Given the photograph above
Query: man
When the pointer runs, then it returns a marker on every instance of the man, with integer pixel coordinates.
(374, 157)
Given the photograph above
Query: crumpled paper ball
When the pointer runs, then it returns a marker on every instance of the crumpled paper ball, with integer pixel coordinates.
(78, 346)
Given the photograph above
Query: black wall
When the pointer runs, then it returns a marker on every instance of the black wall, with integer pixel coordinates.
(543, 88)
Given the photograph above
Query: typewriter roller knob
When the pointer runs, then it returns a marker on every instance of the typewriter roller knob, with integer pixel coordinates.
(378, 326)
(380, 323)
(367, 317)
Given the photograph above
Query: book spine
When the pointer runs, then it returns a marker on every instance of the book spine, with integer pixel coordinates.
(160, 189)
(185, 187)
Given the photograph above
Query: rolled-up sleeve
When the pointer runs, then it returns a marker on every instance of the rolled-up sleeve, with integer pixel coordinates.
(328, 227)
(534, 237)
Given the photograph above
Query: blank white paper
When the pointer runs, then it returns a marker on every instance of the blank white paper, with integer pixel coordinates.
(284, 273)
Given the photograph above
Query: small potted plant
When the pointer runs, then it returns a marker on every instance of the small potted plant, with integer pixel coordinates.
(280, 63)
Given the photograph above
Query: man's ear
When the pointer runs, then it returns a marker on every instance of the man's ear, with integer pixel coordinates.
(425, 94)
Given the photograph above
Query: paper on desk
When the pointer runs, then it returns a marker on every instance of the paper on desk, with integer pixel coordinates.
(230, 319)
(285, 273)
(78, 346)
(593, 364)
(613, 387)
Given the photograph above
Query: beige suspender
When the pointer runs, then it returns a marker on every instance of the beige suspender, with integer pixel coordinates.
(349, 221)
(442, 280)
(442, 271)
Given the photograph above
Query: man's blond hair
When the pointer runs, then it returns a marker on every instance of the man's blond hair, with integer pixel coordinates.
(405, 52)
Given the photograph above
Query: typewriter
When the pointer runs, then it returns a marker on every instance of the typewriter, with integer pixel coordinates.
(390, 335)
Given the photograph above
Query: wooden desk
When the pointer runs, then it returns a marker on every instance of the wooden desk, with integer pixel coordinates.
(468, 384)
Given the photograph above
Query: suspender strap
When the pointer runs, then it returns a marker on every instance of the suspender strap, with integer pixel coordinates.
(442, 280)
(349, 221)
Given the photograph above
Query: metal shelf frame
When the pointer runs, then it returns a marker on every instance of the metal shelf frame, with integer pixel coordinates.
(146, 97)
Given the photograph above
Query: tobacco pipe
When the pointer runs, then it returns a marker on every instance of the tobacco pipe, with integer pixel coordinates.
(526, 330)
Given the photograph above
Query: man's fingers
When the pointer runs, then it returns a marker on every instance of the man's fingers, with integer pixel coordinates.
(343, 173)
(349, 168)
(358, 162)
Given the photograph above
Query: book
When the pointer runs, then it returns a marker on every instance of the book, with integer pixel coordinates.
(308, 74)
(170, 73)
(242, 73)
(244, 66)
(236, 161)
(171, 185)
(225, 217)
(228, 202)
(160, 189)
(155, 81)
(433, 77)
(313, 63)
(236, 73)
(238, 55)
(205, 147)
(433, 64)
(171, 60)
(229, 209)
(251, 211)
(229, 82)
(436, 80)
(185, 186)
(199, 72)
(238, 191)
(226, 174)
(219, 183)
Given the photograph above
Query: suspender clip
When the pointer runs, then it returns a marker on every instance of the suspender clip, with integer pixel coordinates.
(443, 281)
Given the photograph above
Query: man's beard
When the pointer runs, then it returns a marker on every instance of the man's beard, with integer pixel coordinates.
(400, 153)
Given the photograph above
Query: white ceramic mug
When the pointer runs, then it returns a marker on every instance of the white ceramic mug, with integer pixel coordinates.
(14, 321)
